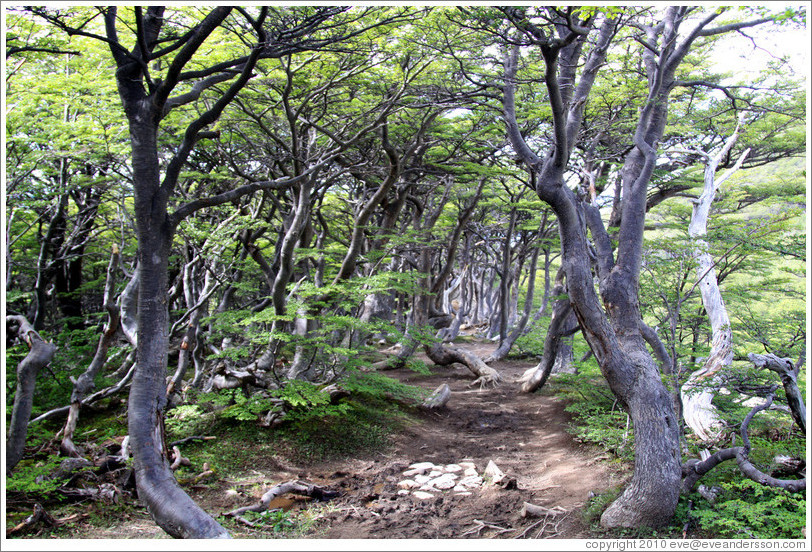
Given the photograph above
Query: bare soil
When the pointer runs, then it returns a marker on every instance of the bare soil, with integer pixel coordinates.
(524, 435)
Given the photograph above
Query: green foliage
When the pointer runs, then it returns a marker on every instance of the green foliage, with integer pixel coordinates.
(32, 479)
(379, 387)
(749, 510)
(239, 406)
(277, 522)
(186, 420)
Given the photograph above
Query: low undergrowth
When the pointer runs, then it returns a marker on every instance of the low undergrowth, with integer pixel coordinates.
(227, 438)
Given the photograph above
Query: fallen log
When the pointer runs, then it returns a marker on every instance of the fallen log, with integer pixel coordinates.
(445, 354)
(295, 486)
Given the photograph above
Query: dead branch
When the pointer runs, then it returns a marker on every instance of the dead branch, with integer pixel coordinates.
(785, 369)
(39, 515)
(479, 525)
(694, 469)
(178, 460)
(91, 399)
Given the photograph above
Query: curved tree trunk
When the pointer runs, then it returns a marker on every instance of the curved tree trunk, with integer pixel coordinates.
(535, 379)
(40, 354)
(650, 499)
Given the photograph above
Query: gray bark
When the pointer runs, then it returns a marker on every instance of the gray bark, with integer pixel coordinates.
(651, 496)
(788, 374)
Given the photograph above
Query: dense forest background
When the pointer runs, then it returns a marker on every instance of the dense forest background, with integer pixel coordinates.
(239, 220)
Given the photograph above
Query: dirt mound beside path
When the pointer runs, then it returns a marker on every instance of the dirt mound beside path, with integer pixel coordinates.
(524, 435)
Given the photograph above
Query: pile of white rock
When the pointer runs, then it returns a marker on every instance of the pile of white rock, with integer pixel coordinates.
(424, 479)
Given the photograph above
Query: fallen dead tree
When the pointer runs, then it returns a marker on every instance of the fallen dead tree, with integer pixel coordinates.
(446, 354)
(298, 487)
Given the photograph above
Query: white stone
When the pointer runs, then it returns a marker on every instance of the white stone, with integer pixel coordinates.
(470, 481)
(429, 488)
(435, 473)
(464, 493)
(403, 492)
(470, 472)
(467, 465)
(408, 484)
(422, 495)
(421, 479)
(418, 468)
(452, 468)
(422, 466)
(493, 472)
(445, 481)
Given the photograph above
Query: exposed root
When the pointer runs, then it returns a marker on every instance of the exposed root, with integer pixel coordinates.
(480, 525)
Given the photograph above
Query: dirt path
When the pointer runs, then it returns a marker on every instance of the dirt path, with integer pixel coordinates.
(524, 435)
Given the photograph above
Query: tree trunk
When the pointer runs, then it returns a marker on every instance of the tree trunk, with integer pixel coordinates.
(167, 503)
(536, 378)
(40, 354)
(651, 497)
(506, 344)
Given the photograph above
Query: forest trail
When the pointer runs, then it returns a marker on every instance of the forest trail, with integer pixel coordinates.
(524, 435)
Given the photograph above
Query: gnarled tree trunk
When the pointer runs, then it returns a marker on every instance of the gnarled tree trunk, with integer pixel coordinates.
(40, 354)
(699, 414)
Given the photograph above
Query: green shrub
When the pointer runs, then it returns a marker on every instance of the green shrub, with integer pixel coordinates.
(748, 509)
